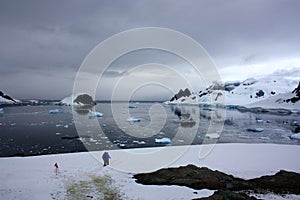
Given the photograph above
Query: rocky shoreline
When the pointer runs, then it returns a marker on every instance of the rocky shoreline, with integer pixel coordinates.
(283, 182)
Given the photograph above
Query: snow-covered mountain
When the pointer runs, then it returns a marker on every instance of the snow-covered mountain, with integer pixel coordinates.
(184, 96)
(289, 100)
(78, 100)
(6, 99)
(240, 93)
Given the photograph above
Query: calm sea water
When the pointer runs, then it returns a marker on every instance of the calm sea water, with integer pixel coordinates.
(31, 130)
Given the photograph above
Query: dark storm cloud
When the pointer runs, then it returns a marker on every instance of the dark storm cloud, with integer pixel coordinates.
(48, 40)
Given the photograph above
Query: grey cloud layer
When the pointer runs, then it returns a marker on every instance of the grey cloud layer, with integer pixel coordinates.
(50, 37)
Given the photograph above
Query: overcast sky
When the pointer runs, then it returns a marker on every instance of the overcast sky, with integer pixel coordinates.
(43, 43)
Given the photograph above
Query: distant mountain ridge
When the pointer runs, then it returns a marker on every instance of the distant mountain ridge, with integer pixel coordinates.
(241, 93)
(181, 93)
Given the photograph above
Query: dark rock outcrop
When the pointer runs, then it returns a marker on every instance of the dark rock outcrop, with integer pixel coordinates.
(181, 93)
(226, 194)
(203, 178)
(84, 99)
(296, 98)
(193, 177)
(260, 93)
(281, 183)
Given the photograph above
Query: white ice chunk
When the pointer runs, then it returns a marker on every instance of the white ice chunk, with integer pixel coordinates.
(163, 141)
(95, 114)
(132, 119)
(295, 136)
(1, 111)
(212, 136)
(55, 111)
(93, 140)
(131, 106)
(138, 142)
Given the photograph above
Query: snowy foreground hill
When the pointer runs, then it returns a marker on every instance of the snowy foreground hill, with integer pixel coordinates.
(82, 176)
(249, 92)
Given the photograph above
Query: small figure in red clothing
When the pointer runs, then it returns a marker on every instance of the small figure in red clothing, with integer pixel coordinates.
(56, 168)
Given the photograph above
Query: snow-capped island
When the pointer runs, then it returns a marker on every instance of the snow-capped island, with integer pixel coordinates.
(6, 99)
(78, 100)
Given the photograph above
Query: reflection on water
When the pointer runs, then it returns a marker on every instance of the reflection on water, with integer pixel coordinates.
(184, 115)
(83, 110)
(31, 130)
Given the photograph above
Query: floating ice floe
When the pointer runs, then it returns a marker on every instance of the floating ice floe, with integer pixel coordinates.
(138, 142)
(212, 136)
(95, 114)
(131, 106)
(132, 119)
(295, 136)
(260, 121)
(255, 129)
(1, 112)
(55, 111)
(264, 138)
(93, 140)
(66, 126)
(163, 141)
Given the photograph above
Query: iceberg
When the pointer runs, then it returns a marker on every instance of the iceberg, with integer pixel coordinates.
(138, 142)
(212, 136)
(132, 119)
(163, 141)
(78, 100)
(131, 106)
(55, 111)
(295, 136)
(95, 114)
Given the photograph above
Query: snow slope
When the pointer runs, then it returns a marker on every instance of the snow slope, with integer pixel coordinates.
(277, 102)
(7, 101)
(33, 177)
